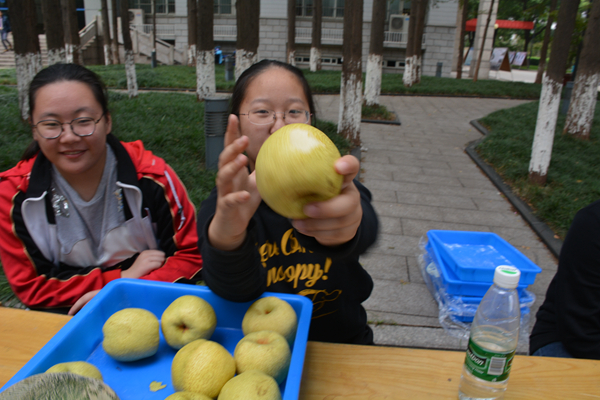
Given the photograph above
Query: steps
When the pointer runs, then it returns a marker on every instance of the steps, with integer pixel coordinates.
(7, 60)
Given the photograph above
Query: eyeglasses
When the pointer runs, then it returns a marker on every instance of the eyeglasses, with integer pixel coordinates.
(267, 117)
(51, 128)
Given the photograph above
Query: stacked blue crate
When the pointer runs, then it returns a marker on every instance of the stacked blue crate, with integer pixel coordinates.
(462, 270)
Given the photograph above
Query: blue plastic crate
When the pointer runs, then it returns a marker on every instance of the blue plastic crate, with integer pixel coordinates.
(81, 338)
(474, 256)
(454, 285)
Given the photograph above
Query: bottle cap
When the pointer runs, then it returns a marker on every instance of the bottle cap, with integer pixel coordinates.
(507, 276)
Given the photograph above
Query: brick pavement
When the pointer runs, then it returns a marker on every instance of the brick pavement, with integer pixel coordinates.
(422, 179)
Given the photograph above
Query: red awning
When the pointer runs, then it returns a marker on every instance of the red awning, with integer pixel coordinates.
(502, 24)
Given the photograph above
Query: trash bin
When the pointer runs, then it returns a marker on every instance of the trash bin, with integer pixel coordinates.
(566, 99)
(229, 68)
(215, 124)
(438, 69)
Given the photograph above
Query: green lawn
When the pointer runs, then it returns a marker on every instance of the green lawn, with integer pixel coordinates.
(573, 180)
(184, 77)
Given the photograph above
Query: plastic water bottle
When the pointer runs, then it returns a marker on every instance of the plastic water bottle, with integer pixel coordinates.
(493, 340)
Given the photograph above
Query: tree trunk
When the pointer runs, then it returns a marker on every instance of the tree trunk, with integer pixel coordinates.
(375, 60)
(410, 44)
(132, 86)
(351, 84)
(55, 36)
(461, 40)
(418, 45)
(115, 33)
(248, 19)
(106, 33)
(585, 91)
(72, 43)
(485, 30)
(205, 55)
(291, 32)
(544, 51)
(552, 84)
(315, 47)
(192, 19)
(28, 58)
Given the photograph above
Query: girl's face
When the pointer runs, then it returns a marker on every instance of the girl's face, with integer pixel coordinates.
(76, 158)
(275, 89)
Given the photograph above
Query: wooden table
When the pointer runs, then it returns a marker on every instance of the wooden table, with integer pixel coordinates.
(334, 371)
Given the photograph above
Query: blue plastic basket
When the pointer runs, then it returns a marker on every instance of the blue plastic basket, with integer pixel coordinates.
(453, 284)
(81, 338)
(474, 256)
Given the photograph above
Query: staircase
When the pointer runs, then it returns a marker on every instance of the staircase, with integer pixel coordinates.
(7, 60)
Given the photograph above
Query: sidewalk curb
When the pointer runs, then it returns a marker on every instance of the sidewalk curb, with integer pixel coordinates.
(539, 227)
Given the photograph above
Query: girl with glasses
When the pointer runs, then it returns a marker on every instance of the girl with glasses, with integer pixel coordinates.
(82, 208)
(248, 249)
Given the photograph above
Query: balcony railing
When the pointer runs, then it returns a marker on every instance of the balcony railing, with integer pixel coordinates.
(303, 35)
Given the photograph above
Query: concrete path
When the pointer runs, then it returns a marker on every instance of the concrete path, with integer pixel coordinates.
(421, 179)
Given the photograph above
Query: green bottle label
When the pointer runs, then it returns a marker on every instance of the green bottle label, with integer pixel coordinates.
(488, 365)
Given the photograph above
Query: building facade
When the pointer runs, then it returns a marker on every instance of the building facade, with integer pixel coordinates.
(438, 43)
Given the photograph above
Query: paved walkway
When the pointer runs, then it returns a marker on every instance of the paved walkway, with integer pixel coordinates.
(422, 179)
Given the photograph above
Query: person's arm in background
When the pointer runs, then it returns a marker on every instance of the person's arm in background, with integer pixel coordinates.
(578, 278)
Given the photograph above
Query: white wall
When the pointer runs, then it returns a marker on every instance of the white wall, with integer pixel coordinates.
(442, 13)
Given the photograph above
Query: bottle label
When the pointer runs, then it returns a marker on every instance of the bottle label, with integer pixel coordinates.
(488, 365)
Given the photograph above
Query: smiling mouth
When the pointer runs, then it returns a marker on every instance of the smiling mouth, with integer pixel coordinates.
(72, 153)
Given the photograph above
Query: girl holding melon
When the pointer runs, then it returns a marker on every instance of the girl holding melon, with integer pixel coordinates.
(249, 249)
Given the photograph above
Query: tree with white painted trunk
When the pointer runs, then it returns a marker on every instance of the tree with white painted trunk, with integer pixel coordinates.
(55, 36)
(291, 32)
(106, 32)
(72, 42)
(132, 86)
(114, 45)
(192, 26)
(552, 84)
(464, 12)
(585, 91)
(416, 28)
(544, 51)
(418, 39)
(351, 83)
(375, 60)
(248, 18)
(205, 54)
(407, 75)
(28, 57)
(315, 47)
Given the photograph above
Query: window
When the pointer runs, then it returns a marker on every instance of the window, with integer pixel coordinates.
(304, 8)
(162, 6)
(333, 8)
(222, 6)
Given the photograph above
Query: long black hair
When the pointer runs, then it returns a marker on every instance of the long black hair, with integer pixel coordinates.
(60, 73)
(241, 86)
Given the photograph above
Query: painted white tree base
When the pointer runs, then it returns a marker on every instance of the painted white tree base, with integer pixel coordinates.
(205, 74)
(373, 79)
(582, 105)
(543, 139)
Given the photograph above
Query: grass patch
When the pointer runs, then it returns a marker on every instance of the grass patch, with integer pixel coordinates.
(572, 181)
(377, 112)
(184, 77)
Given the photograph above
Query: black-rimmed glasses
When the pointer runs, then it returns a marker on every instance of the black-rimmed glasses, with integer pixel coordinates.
(51, 128)
(267, 117)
